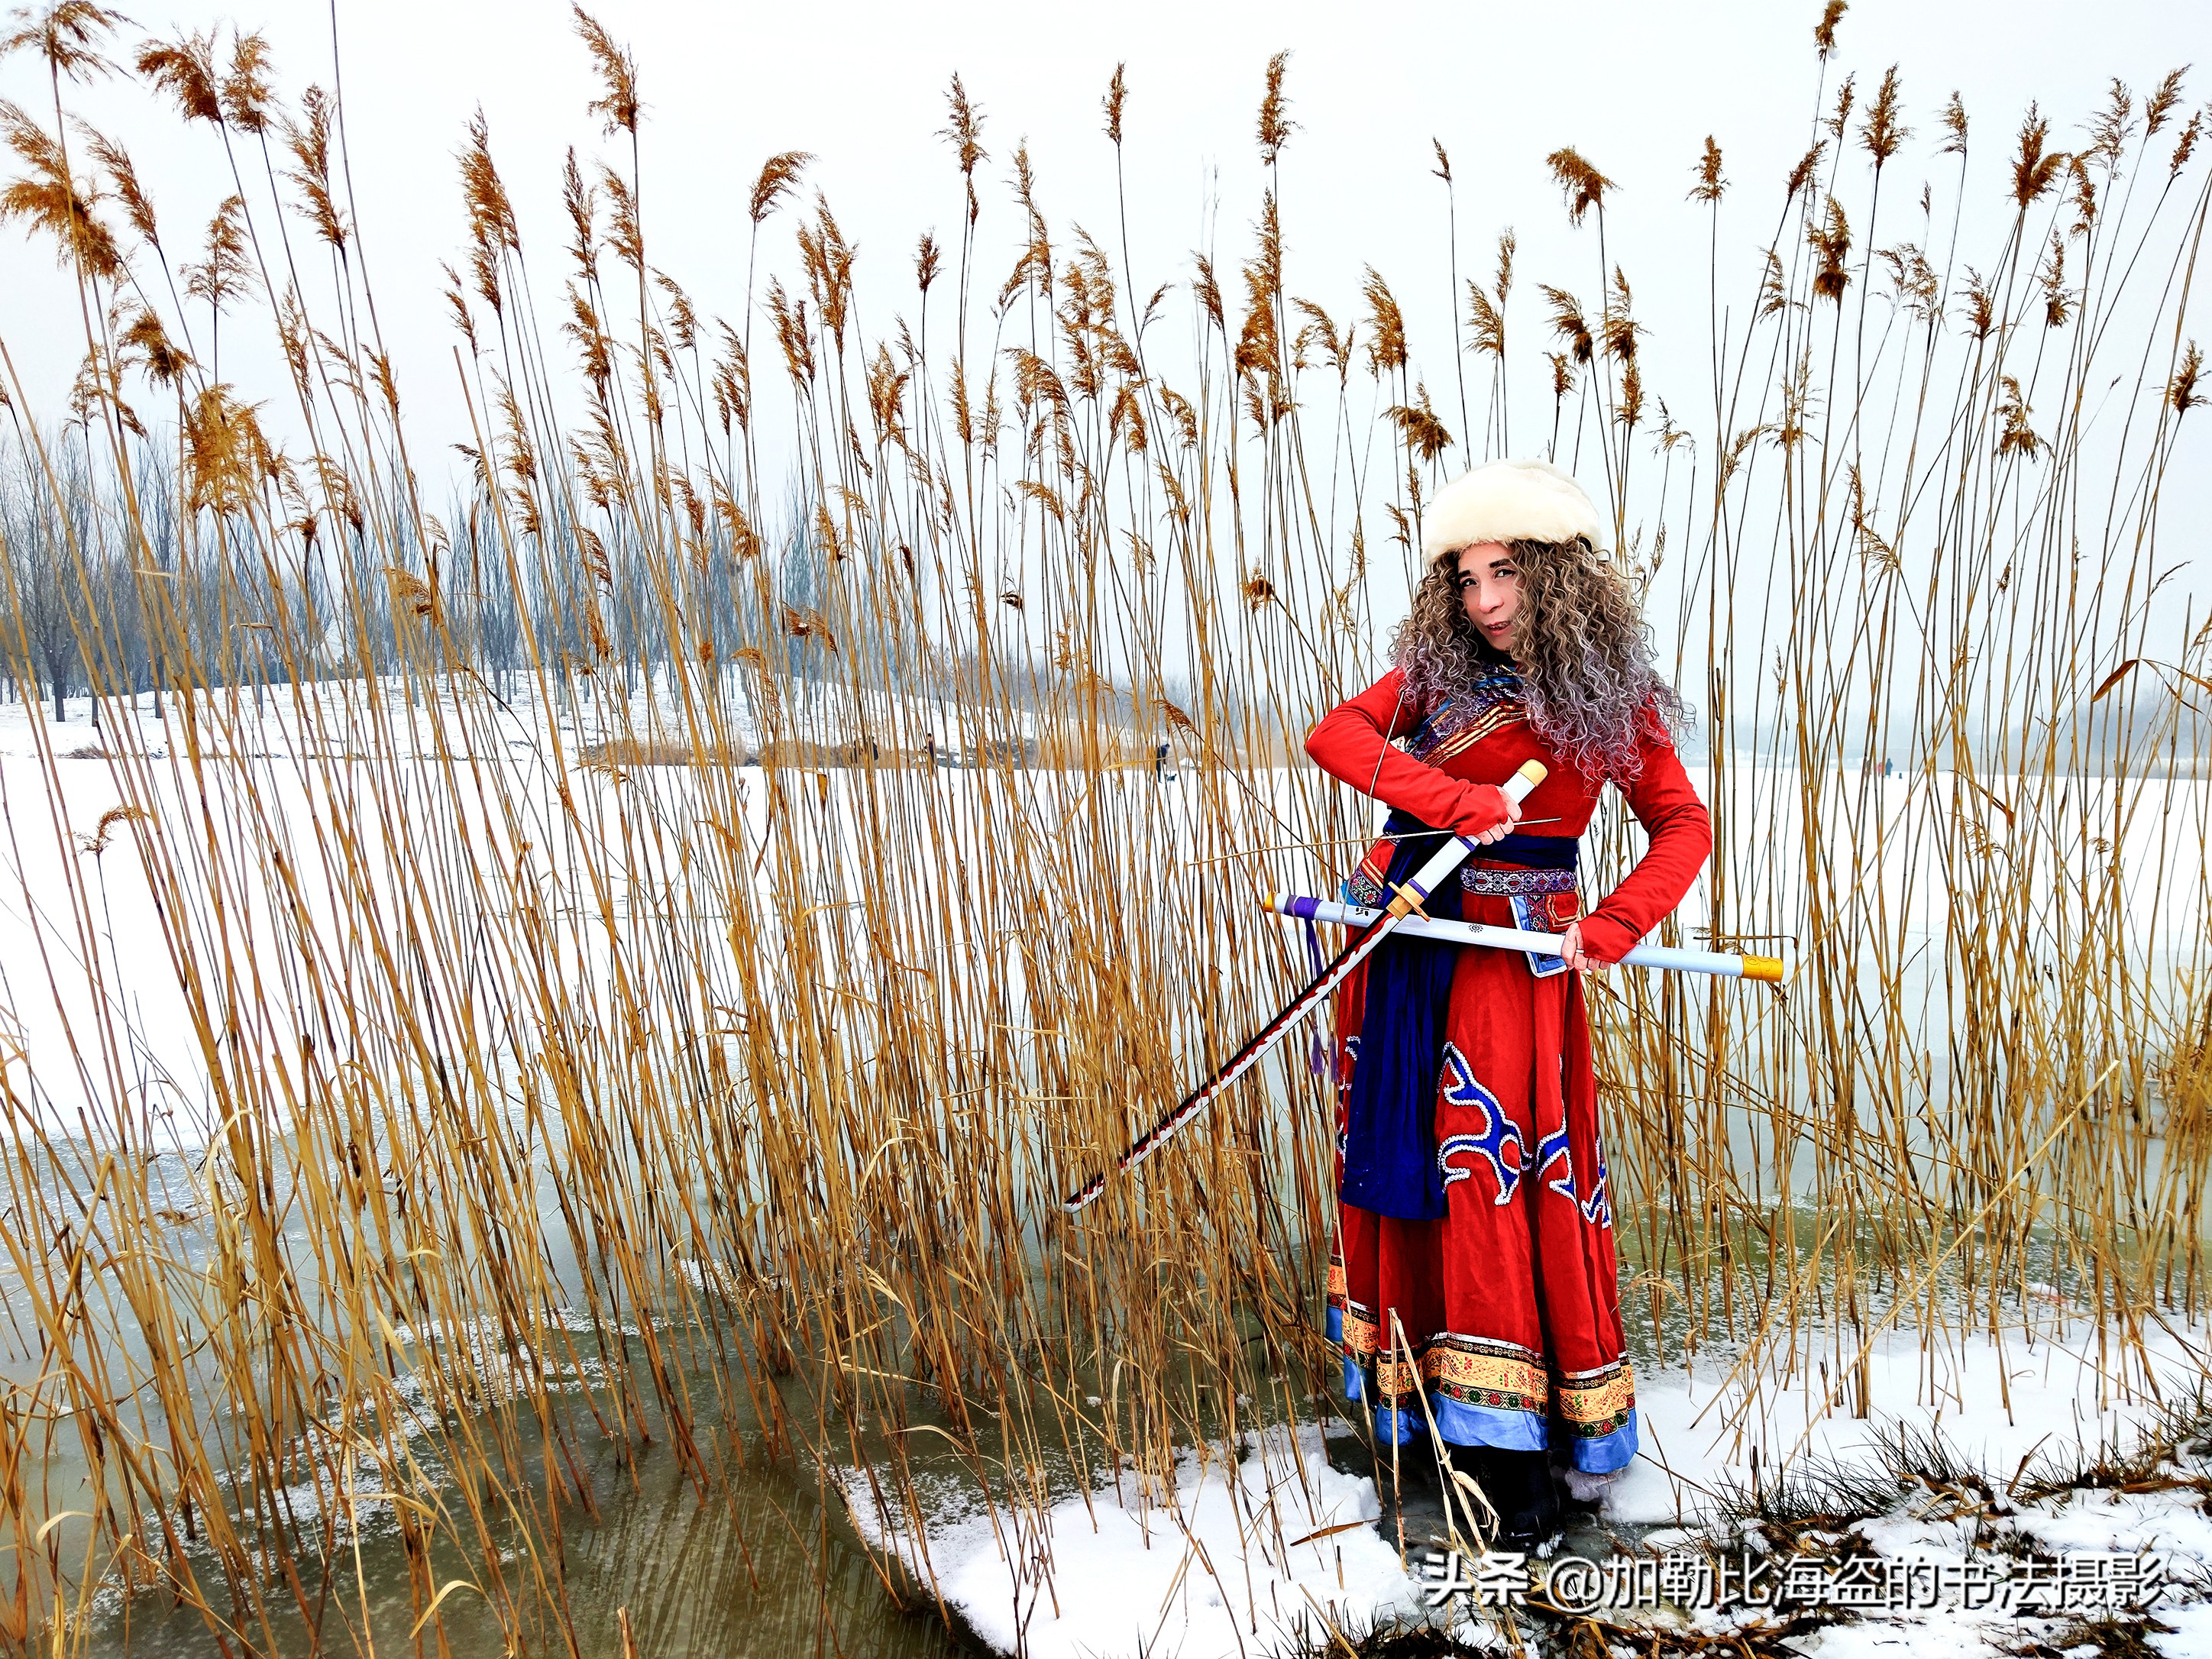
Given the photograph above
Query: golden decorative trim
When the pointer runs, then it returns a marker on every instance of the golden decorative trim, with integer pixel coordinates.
(1472, 1370)
(1605, 1403)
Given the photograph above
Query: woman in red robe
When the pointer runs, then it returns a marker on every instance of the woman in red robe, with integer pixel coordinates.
(1474, 1216)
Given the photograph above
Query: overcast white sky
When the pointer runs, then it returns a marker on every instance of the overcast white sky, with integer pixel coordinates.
(1636, 87)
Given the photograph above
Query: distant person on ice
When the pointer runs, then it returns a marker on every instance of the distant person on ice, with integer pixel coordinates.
(1471, 1176)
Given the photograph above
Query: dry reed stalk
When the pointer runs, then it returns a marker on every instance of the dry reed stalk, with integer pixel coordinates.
(543, 1106)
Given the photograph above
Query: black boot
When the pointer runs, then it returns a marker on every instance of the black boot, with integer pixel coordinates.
(1532, 1517)
(1518, 1485)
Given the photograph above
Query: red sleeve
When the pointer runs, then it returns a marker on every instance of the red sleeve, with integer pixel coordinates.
(1352, 742)
(1681, 839)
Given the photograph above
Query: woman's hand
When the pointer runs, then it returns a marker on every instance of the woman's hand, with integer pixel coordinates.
(1486, 813)
(1570, 951)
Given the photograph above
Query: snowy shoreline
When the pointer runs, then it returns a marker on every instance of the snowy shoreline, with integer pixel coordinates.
(1280, 1544)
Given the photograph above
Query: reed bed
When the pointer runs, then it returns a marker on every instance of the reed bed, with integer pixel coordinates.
(552, 1084)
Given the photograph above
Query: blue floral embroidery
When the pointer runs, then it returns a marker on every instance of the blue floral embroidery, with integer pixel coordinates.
(1597, 1209)
(1461, 1089)
(1550, 1149)
(1598, 1212)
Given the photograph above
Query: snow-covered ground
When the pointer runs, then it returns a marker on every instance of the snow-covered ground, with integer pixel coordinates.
(1268, 1546)
(1262, 1547)
(1708, 1427)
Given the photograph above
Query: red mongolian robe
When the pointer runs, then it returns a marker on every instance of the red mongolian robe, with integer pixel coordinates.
(1509, 1301)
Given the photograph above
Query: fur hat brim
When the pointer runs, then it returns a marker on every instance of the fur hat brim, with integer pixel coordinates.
(1508, 502)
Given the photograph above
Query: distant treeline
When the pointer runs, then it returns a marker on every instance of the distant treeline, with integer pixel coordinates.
(110, 590)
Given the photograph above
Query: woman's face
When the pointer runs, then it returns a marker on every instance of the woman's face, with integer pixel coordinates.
(1490, 587)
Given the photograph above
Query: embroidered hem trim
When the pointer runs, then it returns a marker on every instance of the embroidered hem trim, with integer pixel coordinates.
(1484, 1392)
(1475, 1425)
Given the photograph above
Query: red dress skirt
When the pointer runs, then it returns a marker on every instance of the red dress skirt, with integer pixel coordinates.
(1509, 1306)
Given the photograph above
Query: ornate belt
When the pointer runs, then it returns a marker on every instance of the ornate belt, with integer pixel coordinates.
(1515, 882)
(1514, 864)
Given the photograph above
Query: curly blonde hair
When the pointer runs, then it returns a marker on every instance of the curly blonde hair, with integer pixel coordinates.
(1584, 656)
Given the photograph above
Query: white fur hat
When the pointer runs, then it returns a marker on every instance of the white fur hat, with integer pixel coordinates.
(1508, 501)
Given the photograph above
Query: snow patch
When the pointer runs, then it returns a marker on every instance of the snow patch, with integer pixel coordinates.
(1244, 1557)
(2038, 1396)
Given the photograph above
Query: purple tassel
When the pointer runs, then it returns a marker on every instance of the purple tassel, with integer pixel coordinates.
(1319, 1061)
